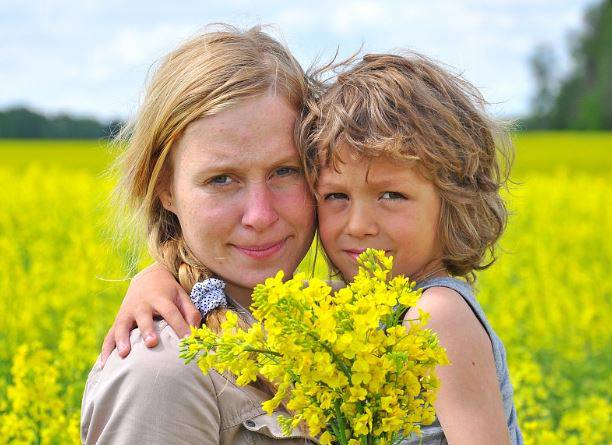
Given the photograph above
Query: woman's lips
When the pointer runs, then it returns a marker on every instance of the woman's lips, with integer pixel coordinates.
(262, 251)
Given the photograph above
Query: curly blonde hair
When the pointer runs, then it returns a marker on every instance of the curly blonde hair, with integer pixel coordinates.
(409, 107)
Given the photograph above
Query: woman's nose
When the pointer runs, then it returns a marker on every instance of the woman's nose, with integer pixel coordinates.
(259, 210)
(362, 221)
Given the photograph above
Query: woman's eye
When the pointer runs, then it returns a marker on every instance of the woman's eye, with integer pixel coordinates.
(392, 196)
(335, 196)
(286, 171)
(220, 180)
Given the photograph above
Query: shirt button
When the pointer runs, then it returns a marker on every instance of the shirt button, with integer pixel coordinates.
(250, 423)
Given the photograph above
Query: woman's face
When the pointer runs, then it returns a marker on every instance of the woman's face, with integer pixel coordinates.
(239, 193)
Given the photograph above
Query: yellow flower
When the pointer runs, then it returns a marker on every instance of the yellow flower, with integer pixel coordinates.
(357, 394)
(342, 362)
(362, 425)
(326, 438)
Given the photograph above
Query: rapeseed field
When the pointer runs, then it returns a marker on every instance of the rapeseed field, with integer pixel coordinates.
(549, 296)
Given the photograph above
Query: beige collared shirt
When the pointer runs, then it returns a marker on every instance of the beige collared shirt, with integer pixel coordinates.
(152, 397)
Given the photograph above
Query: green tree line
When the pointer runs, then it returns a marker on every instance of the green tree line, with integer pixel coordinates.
(582, 99)
(24, 123)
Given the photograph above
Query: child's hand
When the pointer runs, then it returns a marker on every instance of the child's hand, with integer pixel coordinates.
(152, 292)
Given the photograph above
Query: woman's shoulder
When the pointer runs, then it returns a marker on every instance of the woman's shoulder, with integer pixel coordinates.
(163, 357)
(152, 391)
(159, 373)
(149, 387)
(151, 369)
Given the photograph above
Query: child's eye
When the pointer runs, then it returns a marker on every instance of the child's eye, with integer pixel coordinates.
(392, 196)
(220, 180)
(335, 196)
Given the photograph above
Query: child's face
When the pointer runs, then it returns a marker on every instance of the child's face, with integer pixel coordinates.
(383, 204)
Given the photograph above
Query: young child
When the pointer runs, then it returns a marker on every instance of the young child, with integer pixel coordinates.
(402, 157)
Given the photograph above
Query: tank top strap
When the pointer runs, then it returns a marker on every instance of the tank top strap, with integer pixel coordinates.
(466, 292)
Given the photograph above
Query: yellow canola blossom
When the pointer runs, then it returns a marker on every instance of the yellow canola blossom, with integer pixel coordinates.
(344, 364)
(549, 295)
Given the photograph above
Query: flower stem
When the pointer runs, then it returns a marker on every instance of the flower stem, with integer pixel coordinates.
(263, 351)
(340, 420)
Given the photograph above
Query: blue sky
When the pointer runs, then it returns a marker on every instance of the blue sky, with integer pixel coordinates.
(91, 57)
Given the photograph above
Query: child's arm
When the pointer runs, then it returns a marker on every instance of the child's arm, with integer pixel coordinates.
(469, 404)
(153, 291)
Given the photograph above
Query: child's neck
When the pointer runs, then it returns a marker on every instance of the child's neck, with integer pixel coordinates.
(428, 272)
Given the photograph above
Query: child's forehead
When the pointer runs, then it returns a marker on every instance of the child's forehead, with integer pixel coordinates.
(367, 170)
(343, 153)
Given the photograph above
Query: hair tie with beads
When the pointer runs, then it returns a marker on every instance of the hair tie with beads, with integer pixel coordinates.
(208, 295)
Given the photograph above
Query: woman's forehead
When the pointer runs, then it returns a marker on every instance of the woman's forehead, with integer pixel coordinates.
(259, 130)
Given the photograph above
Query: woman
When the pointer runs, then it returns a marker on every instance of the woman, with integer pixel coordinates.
(213, 174)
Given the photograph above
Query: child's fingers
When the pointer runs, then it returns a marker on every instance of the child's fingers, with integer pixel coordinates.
(145, 323)
(123, 327)
(190, 312)
(107, 346)
(170, 312)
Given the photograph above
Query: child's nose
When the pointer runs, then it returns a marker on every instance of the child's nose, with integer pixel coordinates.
(259, 211)
(362, 221)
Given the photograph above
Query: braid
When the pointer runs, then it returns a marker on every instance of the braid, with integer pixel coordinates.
(168, 246)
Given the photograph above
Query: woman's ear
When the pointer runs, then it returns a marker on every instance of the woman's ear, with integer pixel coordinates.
(164, 193)
(166, 200)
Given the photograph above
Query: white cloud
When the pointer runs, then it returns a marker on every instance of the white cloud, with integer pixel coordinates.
(93, 56)
(348, 18)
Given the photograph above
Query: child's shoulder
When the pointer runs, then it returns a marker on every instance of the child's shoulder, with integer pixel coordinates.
(444, 304)
(452, 318)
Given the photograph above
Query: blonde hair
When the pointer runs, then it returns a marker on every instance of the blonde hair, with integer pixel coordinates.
(408, 107)
(209, 73)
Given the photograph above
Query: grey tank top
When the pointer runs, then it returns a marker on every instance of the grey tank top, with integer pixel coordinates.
(433, 434)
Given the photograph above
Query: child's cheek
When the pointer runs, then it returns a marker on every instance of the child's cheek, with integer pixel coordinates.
(328, 229)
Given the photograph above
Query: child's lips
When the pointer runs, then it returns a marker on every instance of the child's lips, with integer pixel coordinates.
(354, 253)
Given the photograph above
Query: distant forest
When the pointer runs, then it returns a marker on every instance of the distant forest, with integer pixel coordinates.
(24, 123)
(580, 100)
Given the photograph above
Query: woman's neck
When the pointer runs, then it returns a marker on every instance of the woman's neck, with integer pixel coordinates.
(239, 294)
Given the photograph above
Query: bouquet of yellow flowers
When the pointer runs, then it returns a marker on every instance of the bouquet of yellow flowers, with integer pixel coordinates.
(343, 363)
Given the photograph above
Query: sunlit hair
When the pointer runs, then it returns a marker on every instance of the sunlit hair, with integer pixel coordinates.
(408, 107)
(209, 73)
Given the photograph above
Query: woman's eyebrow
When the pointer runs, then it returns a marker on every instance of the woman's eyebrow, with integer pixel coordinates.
(216, 167)
(231, 165)
(289, 159)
